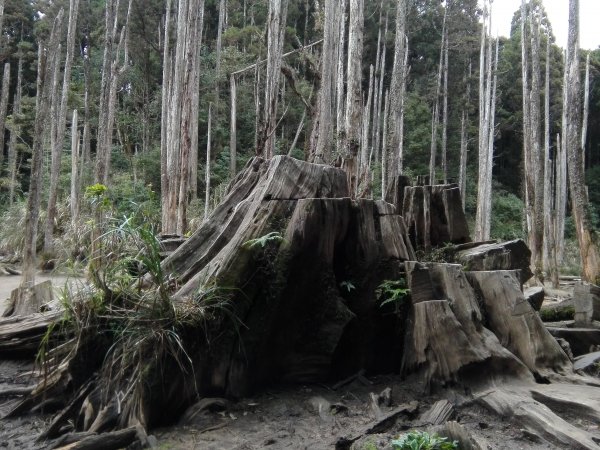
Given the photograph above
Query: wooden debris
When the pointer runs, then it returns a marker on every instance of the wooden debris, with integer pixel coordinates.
(515, 323)
(15, 391)
(511, 255)
(454, 431)
(28, 300)
(581, 340)
(106, 441)
(439, 413)
(381, 425)
(584, 362)
(22, 335)
(586, 300)
(205, 404)
(535, 297)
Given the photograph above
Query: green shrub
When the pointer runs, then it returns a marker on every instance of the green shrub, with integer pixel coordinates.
(421, 440)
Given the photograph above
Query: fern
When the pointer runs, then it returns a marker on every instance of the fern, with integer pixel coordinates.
(262, 241)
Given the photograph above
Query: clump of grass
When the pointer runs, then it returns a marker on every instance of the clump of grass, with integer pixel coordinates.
(421, 440)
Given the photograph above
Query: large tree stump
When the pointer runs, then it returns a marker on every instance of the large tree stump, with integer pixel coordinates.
(434, 215)
(513, 320)
(511, 255)
(28, 300)
(586, 299)
(446, 339)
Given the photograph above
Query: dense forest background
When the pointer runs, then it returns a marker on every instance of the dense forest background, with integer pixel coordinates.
(134, 183)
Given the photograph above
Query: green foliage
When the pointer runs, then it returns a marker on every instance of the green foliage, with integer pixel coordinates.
(507, 215)
(347, 285)
(421, 440)
(272, 237)
(557, 314)
(392, 291)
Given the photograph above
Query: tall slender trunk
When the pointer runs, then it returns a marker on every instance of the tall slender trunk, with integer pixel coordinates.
(75, 171)
(15, 131)
(435, 116)
(47, 58)
(167, 76)
(207, 174)
(340, 77)
(562, 181)
(444, 149)
(549, 267)
(59, 137)
(385, 156)
(233, 128)
(590, 257)
(586, 107)
(322, 133)
(354, 95)
(276, 21)
(464, 140)
(4, 108)
(537, 155)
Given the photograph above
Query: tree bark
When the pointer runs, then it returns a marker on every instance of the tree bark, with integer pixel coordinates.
(276, 21)
(233, 128)
(444, 150)
(75, 170)
(4, 107)
(60, 128)
(586, 107)
(464, 140)
(354, 94)
(550, 267)
(322, 133)
(590, 257)
(398, 88)
(207, 176)
(15, 131)
(435, 116)
(47, 59)
(537, 155)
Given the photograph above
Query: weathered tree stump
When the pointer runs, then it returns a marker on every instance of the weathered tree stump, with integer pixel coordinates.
(434, 215)
(586, 299)
(511, 255)
(28, 300)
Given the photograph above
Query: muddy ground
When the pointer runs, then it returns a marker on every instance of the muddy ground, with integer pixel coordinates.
(293, 417)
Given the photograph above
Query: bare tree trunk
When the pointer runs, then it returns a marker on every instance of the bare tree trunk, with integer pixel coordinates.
(233, 130)
(464, 141)
(486, 133)
(560, 198)
(4, 107)
(354, 94)
(364, 146)
(108, 91)
(398, 87)
(590, 257)
(298, 131)
(586, 107)
(275, 36)
(562, 181)
(59, 137)
(384, 148)
(15, 131)
(549, 244)
(75, 171)
(341, 77)
(322, 134)
(490, 153)
(167, 76)
(207, 175)
(435, 116)
(537, 156)
(47, 59)
(180, 123)
(444, 155)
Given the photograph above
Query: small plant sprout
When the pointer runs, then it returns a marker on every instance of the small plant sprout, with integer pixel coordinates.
(421, 440)
(347, 285)
(392, 291)
(272, 237)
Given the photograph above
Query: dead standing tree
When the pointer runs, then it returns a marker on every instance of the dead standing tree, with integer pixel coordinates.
(590, 257)
(276, 21)
(47, 59)
(180, 96)
(61, 117)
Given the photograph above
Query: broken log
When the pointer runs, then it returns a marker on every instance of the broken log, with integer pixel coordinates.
(535, 297)
(586, 300)
(511, 255)
(515, 323)
(21, 335)
(434, 215)
(453, 317)
(439, 413)
(28, 300)
(106, 441)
